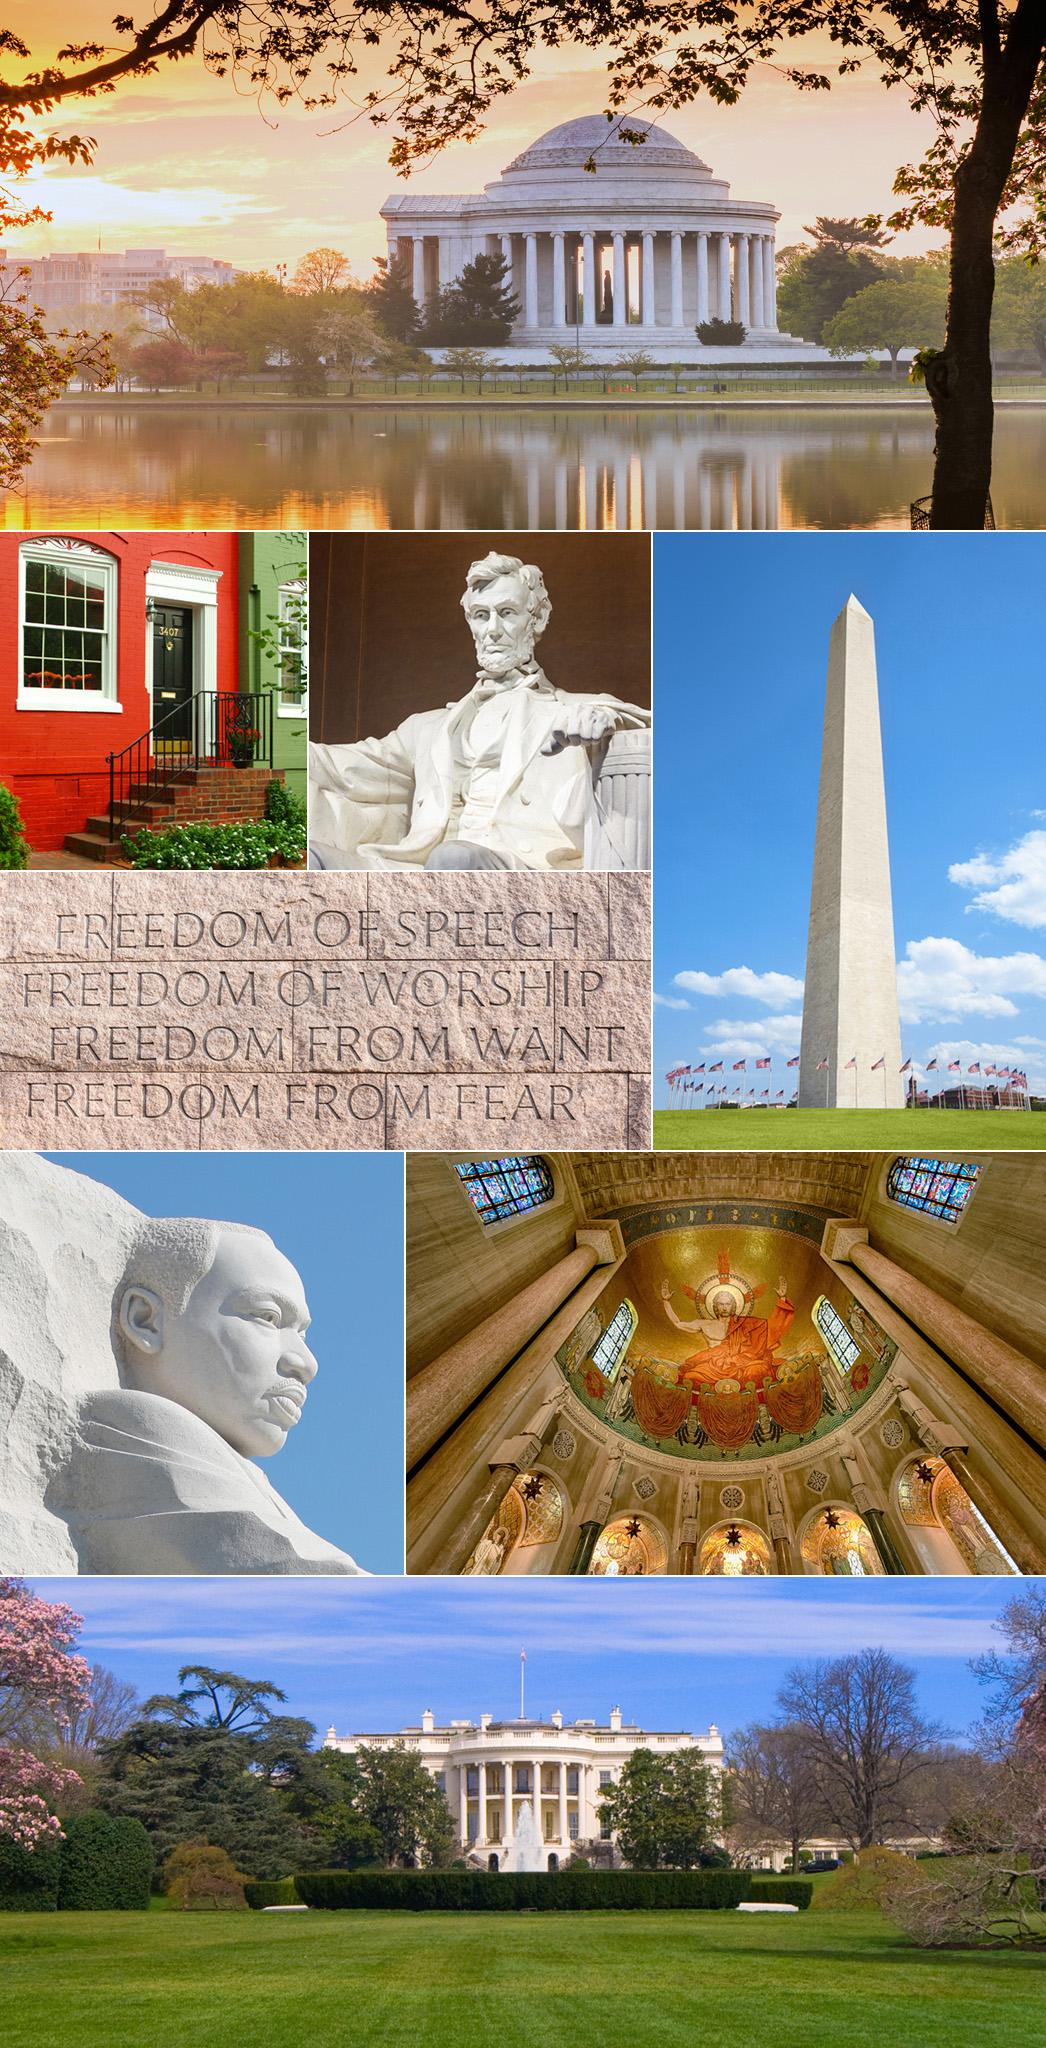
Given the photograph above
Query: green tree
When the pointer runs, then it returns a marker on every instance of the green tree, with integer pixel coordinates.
(322, 270)
(635, 363)
(845, 234)
(893, 313)
(477, 308)
(400, 1801)
(665, 1810)
(818, 284)
(351, 340)
(390, 297)
(396, 359)
(14, 846)
(1019, 311)
(468, 364)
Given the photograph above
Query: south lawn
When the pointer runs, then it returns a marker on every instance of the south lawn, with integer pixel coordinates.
(435, 1980)
(942, 1132)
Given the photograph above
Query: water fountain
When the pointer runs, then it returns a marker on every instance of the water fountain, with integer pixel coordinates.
(525, 1852)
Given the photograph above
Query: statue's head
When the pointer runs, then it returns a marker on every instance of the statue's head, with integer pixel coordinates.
(723, 1305)
(213, 1317)
(508, 608)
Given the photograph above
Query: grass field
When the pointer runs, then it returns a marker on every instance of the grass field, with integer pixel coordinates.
(590, 1980)
(940, 1131)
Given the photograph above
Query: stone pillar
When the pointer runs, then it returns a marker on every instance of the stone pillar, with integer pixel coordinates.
(950, 1445)
(588, 1537)
(620, 282)
(1013, 1382)
(481, 1824)
(617, 834)
(507, 1830)
(564, 1823)
(463, 1802)
(445, 264)
(724, 307)
(677, 280)
(757, 281)
(870, 1504)
(591, 293)
(769, 283)
(648, 306)
(744, 297)
(702, 279)
(559, 282)
(418, 247)
(441, 1392)
(530, 301)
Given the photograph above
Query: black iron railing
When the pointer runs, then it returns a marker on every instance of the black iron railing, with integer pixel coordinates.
(214, 729)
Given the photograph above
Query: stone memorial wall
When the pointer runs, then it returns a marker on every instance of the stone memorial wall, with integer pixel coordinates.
(314, 1011)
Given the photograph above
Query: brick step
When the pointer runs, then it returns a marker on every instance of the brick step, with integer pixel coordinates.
(196, 796)
(129, 819)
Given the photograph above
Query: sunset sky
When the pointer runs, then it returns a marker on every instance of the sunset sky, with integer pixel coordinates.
(186, 163)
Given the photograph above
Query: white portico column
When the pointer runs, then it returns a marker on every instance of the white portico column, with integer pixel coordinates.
(481, 1824)
(769, 282)
(702, 278)
(507, 1834)
(620, 282)
(419, 272)
(724, 308)
(677, 279)
(559, 282)
(744, 297)
(564, 1826)
(591, 288)
(463, 1802)
(757, 281)
(649, 310)
(530, 309)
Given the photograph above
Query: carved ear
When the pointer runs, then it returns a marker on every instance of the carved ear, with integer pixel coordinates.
(141, 1320)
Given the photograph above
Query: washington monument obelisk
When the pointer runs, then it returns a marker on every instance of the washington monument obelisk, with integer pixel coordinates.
(850, 1015)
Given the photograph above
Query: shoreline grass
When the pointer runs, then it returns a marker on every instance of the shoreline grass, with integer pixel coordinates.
(873, 1130)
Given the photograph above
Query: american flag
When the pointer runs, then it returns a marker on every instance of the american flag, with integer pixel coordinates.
(740, 1066)
(877, 1063)
(717, 1069)
(700, 1069)
(975, 1069)
(817, 1069)
(906, 1066)
(853, 1062)
(932, 1068)
(954, 1067)
(762, 1063)
(795, 1062)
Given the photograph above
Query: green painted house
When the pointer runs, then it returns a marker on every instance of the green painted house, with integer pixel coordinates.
(274, 641)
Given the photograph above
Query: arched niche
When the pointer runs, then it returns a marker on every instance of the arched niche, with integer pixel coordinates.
(735, 1550)
(835, 1541)
(631, 1546)
(521, 1538)
(947, 1532)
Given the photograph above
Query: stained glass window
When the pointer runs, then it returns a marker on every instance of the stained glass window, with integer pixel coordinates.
(67, 624)
(614, 1342)
(939, 1187)
(844, 1351)
(505, 1187)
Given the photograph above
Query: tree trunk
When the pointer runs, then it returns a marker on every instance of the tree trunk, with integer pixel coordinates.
(959, 380)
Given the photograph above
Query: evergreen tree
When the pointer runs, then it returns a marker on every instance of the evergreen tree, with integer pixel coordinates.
(478, 308)
(392, 301)
(818, 284)
(665, 1810)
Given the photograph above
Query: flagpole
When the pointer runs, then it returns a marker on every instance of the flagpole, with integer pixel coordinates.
(522, 1674)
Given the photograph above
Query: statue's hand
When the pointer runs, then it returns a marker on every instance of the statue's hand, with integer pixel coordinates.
(583, 726)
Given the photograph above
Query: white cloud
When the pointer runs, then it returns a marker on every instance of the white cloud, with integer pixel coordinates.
(1010, 885)
(941, 978)
(743, 981)
(672, 1002)
(747, 1040)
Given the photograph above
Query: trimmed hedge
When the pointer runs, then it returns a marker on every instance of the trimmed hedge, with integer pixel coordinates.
(28, 1879)
(271, 1891)
(105, 1866)
(781, 1891)
(539, 1891)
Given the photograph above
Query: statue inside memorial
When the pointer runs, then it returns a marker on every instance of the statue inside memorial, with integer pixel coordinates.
(144, 1365)
(507, 778)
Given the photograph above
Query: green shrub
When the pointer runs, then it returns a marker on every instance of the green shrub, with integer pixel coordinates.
(781, 1891)
(284, 807)
(248, 844)
(860, 1885)
(721, 333)
(273, 1891)
(105, 1866)
(540, 1891)
(28, 1878)
(14, 846)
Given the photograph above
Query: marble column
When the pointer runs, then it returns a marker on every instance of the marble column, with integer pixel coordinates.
(481, 1824)
(445, 266)
(702, 279)
(724, 307)
(441, 1392)
(591, 287)
(507, 1831)
(620, 282)
(564, 1822)
(948, 1443)
(757, 281)
(677, 280)
(418, 247)
(870, 1504)
(530, 318)
(648, 307)
(463, 1802)
(744, 297)
(769, 282)
(559, 282)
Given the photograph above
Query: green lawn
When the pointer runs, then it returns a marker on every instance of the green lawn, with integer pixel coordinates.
(599, 1980)
(877, 1130)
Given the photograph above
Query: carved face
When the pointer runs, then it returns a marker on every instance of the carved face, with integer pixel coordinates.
(237, 1356)
(723, 1305)
(502, 625)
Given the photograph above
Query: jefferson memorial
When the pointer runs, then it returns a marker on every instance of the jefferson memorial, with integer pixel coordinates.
(613, 243)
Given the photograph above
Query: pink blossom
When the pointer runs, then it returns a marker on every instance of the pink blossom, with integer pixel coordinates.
(36, 1670)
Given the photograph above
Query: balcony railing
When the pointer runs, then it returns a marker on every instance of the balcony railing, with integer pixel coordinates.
(216, 728)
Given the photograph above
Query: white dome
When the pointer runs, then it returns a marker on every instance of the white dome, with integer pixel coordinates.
(574, 142)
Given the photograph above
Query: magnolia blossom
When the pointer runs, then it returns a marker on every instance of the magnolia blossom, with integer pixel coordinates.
(36, 1671)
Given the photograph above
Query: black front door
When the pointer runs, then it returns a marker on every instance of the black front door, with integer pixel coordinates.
(172, 673)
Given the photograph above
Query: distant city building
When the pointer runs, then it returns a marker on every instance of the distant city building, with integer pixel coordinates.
(488, 1771)
(89, 278)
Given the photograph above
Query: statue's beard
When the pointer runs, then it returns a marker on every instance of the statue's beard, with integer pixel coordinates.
(498, 662)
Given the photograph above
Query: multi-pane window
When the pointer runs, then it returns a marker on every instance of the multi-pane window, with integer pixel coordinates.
(293, 646)
(572, 1826)
(68, 621)
(842, 1347)
(938, 1187)
(604, 1827)
(615, 1341)
(505, 1187)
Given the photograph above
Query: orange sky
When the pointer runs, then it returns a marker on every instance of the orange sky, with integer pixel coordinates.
(185, 163)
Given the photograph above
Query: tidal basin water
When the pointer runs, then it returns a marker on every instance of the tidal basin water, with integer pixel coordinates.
(374, 467)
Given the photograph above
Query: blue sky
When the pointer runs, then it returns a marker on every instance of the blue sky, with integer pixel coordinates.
(672, 1653)
(339, 1218)
(741, 625)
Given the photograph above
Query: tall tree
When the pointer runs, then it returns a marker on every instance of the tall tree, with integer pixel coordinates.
(775, 1785)
(390, 294)
(1013, 1678)
(893, 313)
(845, 234)
(872, 1752)
(665, 1809)
(477, 308)
(401, 1803)
(322, 270)
(39, 1674)
(818, 283)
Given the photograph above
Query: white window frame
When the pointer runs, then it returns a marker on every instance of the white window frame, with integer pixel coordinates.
(53, 550)
(294, 587)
